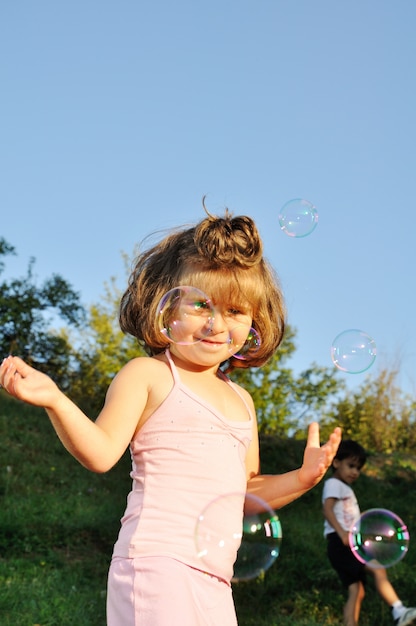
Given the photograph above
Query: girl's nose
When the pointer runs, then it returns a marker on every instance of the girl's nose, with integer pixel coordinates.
(217, 323)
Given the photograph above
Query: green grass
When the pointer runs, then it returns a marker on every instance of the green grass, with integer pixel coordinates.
(58, 523)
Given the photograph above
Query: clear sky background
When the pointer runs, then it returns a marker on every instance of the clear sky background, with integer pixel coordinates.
(116, 117)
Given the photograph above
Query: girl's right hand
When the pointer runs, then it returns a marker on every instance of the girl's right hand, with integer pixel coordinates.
(26, 383)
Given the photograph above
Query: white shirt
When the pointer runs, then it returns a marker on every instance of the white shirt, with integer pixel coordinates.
(346, 508)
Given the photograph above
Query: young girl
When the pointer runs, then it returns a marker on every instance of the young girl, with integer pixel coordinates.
(192, 301)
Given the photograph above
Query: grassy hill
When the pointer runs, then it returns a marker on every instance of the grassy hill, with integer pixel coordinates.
(58, 523)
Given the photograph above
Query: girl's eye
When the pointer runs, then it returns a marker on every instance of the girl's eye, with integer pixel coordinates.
(237, 311)
(201, 306)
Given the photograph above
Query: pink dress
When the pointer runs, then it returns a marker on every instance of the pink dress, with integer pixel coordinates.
(186, 456)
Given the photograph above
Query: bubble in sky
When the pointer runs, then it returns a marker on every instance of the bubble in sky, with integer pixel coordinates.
(185, 315)
(241, 527)
(298, 218)
(353, 351)
(247, 345)
(379, 538)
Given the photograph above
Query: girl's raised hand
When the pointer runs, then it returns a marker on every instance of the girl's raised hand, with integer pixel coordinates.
(26, 383)
(316, 458)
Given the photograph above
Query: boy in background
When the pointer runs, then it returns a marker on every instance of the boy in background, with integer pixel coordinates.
(341, 510)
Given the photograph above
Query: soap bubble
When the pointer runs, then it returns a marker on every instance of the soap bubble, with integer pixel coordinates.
(185, 315)
(298, 218)
(250, 345)
(379, 538)
(242, 528)
(353, 351)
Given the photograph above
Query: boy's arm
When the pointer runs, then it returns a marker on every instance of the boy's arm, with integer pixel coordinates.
(329, 514)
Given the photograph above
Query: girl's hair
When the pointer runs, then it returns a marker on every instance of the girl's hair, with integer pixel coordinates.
(350, 449)
(221, 256)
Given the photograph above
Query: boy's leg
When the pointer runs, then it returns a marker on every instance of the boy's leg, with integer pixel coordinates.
(383, 586)
(352, 607)
(402, 615)
(352, 575)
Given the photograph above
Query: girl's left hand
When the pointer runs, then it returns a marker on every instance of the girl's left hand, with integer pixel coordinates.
(316, 458)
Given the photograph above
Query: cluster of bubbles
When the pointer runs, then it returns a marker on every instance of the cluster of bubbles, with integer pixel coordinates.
(379, 538)
(243, 527)
(352, 351)
(186, 315)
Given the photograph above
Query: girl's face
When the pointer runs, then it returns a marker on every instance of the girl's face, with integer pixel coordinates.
(207, 331)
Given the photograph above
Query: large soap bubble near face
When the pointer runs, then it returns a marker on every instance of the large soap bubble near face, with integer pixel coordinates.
(379, 538)
(240, 527)
(185, 315)
(298, 218)
(353, 351)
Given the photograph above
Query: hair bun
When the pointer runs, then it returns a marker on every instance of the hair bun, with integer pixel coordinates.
(225, 240)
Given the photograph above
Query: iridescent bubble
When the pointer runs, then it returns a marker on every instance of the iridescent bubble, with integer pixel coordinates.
(185, 315)
(353, 351)
(379, 538)
(242, 528)
(298, 218)
(245, 346)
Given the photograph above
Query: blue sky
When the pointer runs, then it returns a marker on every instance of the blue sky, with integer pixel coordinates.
(117, 117)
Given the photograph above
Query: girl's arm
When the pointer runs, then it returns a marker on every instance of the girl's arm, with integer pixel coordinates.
(96, 445)
(329, 514)
(279, 490)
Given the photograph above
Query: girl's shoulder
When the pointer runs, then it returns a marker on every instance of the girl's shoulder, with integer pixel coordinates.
(241, 390)
(246, 394)
(145, 369)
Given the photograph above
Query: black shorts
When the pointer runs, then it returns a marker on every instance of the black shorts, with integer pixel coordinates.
(349, 569)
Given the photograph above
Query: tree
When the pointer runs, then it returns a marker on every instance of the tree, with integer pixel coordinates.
(27, 313)
(5, 248)
(285, 403)
(102, 352)
(379, 415)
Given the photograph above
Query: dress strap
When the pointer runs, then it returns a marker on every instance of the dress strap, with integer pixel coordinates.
(172, 366)
(234, 386)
